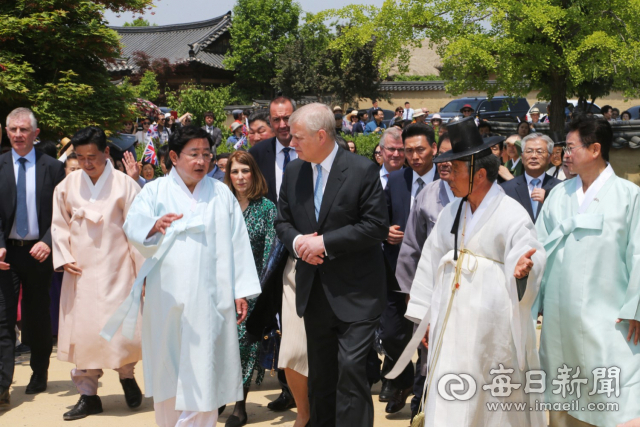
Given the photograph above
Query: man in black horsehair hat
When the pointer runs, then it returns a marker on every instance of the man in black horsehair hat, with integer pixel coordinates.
(472, 294)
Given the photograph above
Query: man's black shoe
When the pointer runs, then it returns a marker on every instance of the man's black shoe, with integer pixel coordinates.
(87, 405)
(234, 421)
(132, 393)
(5, 399)
(283, 402)
(398, 400)
(387, 391)
(22, 349)
(37, 384)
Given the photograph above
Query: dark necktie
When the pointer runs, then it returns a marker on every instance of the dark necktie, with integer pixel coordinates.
(420, 186)
(287, 159)
(22, 217)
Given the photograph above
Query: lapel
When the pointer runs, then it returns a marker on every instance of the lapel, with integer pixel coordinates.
(443, 197)
(406, 195)
(270, 164)
(306, 197)
(41, 172)
(9, 177)
(334, 183)
(523, 194)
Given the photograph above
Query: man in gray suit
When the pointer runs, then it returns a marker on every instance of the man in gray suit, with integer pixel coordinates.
(214, 132)
(435, 196)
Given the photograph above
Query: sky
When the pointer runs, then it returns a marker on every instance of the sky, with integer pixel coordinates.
(169, 12)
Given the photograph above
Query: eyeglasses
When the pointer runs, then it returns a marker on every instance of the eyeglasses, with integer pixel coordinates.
(392, 150)
(538, 152)
(146, 123)
(568, 150)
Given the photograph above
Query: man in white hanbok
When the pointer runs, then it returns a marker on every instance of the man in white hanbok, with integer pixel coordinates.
(472, 294)
(192, 232)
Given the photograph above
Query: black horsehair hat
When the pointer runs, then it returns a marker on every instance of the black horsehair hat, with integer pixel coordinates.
(467, 144)
(466, 141)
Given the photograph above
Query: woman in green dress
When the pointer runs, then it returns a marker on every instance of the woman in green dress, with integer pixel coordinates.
(249, 186)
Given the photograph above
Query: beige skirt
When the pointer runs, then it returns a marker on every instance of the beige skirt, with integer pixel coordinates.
(293, 347)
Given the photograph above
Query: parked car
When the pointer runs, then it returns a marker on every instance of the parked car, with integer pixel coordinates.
(571, 105)
(635, 112)
(498, 108)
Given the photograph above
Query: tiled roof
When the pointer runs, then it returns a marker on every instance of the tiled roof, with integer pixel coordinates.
(417, 86)
(178, 43)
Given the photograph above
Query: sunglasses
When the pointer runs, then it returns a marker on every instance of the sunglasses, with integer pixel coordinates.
(377, 153)
(467, 111)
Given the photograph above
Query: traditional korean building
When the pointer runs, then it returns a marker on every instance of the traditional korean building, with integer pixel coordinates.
(197, 50)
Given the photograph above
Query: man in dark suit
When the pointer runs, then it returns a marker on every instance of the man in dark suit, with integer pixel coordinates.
(27, 181)
(214, 132)
(330, 216)
(273, 155)
(531, 188)
(401, 191)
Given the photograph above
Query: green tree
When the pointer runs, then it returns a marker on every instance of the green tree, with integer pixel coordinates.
(197, 100)
(52, 59)
(309, 66)
(148, 87)
(259, 31)
(138, 22)
(564, 48)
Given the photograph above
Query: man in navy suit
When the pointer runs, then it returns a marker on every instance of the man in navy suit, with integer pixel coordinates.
(531, 189)
(401, 191)
(27, 180)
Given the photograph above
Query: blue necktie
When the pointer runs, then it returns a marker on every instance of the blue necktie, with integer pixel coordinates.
(534, 203)
(22, 217)
(317, 193)
(287, 159)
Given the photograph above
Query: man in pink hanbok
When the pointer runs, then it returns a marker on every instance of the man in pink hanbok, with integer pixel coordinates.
(100, 266)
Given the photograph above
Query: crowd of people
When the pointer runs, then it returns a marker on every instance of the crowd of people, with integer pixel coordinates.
(295, 254)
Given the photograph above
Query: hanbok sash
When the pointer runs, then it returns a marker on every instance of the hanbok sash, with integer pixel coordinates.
(87, 214)
(127, 314)
(585, 221)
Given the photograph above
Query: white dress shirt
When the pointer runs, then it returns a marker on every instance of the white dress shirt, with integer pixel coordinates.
(326, 169)
(529, 178)
(427, 178)
(280, 163)
(408, 114)
(384, 176)
(32, 211)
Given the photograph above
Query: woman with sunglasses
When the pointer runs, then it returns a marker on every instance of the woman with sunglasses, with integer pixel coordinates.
(377, 155)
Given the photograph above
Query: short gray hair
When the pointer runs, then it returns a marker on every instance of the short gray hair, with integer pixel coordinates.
(20, 112)
(393, 133)
(316, 116)
(536, 136)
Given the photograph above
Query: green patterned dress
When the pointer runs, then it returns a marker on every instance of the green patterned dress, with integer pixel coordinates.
(259, 217)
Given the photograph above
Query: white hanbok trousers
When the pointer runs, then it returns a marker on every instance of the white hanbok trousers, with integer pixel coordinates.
(167, 416)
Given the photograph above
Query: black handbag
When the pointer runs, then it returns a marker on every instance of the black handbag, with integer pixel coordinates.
(269, 350)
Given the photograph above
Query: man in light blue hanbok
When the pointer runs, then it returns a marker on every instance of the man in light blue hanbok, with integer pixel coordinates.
(589, 295)
(191, 230)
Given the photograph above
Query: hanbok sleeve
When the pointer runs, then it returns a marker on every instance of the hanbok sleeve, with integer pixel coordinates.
(630, 308)
(245, 283)
(425, 277)
(520, 238)
(60, 231)
(140, 219)
(132, 192)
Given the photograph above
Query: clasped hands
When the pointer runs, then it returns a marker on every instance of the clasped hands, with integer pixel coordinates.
(40, 252)
(310, 248)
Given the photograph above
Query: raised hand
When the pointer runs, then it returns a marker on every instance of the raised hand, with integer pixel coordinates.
(131, 166)
(524, 265)
(163, 223)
